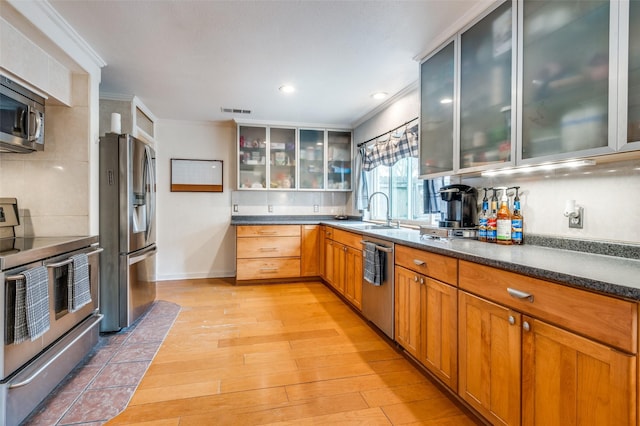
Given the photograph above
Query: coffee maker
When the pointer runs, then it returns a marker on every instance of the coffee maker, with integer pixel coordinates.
(460, 206)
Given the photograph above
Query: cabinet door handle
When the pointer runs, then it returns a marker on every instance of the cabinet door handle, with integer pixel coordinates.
(512, 319)
(526, 326)
(415, 278)
(421, 280)
(419, 262)
(517, 294)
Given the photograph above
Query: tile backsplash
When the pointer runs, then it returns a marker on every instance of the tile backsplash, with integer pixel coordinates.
(259, 203)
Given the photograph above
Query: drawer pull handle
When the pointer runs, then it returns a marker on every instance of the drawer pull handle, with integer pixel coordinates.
(268, 269)
(267, 233)
(419, 262)
(517, 294)
(268, 248)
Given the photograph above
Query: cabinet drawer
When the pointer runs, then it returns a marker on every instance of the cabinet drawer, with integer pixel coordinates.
(260, 269)
(347, 238)
(252, 247)
(603, 318)
(433, 265)
(268, 231)
(328, 232)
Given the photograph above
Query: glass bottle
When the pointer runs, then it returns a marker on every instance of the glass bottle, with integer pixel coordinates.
(483, 218)
(492, 220)
(517, 221)
(503, 221)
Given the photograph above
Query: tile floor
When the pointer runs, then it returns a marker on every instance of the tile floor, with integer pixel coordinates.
(101, 386)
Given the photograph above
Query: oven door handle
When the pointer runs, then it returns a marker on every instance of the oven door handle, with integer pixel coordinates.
(52, 265)
(69, 260)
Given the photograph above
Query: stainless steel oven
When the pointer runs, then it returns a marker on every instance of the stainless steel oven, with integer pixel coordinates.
(31, 365)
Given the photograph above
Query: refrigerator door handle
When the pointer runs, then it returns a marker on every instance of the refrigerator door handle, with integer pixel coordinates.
(149, 186)
(148, 252)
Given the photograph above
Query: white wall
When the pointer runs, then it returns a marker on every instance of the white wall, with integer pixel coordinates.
(195, 238)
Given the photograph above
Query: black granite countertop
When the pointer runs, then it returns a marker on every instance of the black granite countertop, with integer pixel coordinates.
(612, 275)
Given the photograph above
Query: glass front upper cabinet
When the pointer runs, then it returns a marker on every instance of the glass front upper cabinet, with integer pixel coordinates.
(437, 105)
(312, 149)
(252, 157)
(338, 160)
(282, 158)
(487, 76)
(566, 55)
(631, 97)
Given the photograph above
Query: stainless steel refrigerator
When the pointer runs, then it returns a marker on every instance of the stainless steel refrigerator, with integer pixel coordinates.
(127, 230)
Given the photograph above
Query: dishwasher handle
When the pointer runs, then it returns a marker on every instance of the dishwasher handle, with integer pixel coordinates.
(379, 247)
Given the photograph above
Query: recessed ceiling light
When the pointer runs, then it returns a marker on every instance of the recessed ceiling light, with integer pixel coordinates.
(446, 100)
(379, 95)
(287, 88)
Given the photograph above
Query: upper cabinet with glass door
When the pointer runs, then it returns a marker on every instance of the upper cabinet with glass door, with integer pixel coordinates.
(437, 102)
(565, 53)
(282, 154)
(630, 42)
(266, 157)
(487, 76)
(252, 157)
(312, 149)
(338, 160)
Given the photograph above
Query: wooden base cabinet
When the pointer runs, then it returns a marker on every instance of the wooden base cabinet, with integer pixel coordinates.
(267, 252)
(568, 379)
(426, 322)
(343, 264)
(489, 348)
(309, 251)
(542, 354)
(353, 276)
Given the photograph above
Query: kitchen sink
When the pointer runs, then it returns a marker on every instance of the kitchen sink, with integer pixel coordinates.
(366, 226)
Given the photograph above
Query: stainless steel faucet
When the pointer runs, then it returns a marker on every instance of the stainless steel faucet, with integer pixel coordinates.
(388, 206)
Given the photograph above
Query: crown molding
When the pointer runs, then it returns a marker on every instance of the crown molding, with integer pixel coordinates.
(47, 20)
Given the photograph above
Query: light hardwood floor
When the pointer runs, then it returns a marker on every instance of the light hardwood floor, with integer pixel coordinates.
(279, 354)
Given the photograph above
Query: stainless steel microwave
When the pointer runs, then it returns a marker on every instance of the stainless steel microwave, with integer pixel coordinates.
(21, 118)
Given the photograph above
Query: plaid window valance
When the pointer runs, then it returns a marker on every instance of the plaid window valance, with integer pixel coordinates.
(388, 152)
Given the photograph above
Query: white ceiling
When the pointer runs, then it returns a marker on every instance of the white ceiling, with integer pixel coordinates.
(186, 59)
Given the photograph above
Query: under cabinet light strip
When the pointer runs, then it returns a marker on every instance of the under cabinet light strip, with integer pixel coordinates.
(540, 167)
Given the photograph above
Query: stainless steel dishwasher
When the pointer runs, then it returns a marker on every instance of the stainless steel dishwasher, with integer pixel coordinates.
(378, 300)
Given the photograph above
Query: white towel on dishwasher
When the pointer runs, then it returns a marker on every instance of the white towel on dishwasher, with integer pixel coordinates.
(36, 301)
(79, 286)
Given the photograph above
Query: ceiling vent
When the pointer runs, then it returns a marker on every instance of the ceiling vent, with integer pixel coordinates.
(236, 110)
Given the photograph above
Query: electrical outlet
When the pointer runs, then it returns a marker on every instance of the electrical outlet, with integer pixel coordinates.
(316, 208)
(235, 208)
(576, 222)
(270, 208)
